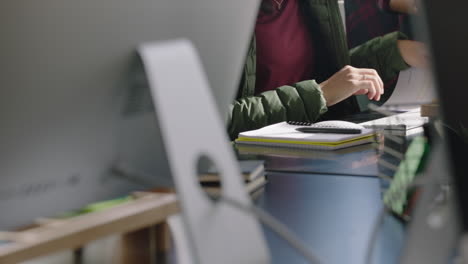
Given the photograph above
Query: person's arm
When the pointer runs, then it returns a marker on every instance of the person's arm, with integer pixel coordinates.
(390, 54)
(400, 6)
(303, 101)
(414, 53)
(403, 6)
(381, 54)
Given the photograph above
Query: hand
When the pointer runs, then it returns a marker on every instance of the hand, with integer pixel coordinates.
(404, 6)
(352, 81)
(414, 53)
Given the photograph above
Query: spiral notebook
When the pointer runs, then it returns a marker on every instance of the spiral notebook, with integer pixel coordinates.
(285, 135)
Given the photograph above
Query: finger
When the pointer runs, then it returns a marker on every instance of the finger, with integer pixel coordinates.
(348, 68)
(377, 85)
(366, 71)
(376, 76)
(378, 88)
(380, 82)
(358, 72)
(370, 86)
(361, 92)
(371, 72)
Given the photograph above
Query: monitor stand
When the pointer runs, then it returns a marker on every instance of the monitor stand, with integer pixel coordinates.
(192, 129)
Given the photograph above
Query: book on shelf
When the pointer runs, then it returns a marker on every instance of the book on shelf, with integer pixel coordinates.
(284, 134)
(252, 173)
(250, 169)
(251, 186)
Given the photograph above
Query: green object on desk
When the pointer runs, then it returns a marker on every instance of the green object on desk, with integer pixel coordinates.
(96, 207)
(396, 197)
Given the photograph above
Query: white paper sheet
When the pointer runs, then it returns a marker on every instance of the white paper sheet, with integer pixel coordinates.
(415, 86)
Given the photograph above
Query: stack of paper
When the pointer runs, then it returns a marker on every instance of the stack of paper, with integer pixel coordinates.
(400, 124)
(285, 135)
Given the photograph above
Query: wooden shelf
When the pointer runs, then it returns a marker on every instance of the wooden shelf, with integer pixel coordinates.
(147, 211)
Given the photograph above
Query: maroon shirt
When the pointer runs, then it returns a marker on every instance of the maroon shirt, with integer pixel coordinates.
(284, 48)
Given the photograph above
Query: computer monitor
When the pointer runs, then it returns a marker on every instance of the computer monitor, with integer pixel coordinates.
(435, 228)
(447, 22)
(72, 106)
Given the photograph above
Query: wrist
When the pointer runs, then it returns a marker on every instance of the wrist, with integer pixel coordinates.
(324, 92)
(413, 53)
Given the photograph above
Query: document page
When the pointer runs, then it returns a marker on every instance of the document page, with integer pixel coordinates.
(415, 86)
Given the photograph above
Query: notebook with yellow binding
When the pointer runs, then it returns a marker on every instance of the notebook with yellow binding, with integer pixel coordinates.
(285, 135)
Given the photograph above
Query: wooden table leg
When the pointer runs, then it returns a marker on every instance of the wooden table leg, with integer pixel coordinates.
(138, 247)
(148, 245)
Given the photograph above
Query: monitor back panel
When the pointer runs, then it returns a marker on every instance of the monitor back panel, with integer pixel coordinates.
(73, 104)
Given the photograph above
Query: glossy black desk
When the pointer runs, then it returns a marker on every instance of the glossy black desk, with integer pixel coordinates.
(331, 200)
(332, 214)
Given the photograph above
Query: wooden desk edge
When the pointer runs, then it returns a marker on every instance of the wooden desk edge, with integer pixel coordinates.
(75, 232)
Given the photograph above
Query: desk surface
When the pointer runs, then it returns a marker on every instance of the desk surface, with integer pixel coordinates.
(334, 215)
(331, 200)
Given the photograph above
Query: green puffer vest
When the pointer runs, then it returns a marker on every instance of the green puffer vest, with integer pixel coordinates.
(304, 101)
